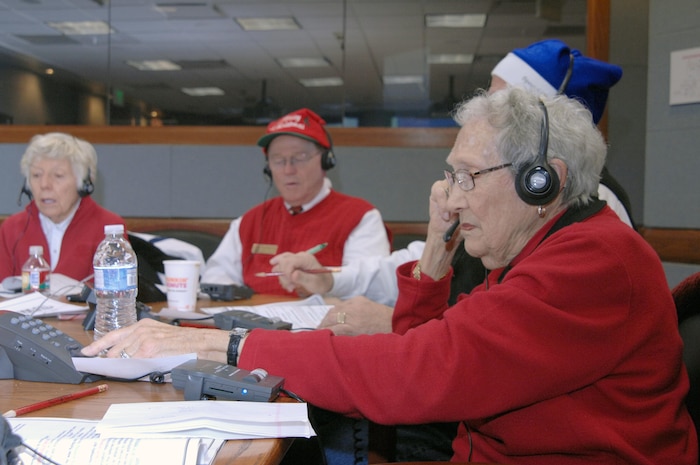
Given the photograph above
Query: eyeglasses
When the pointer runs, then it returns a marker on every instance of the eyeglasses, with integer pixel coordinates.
(465, 179)
(294, 160)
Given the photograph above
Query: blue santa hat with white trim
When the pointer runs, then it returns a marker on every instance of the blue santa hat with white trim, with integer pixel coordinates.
(543, 68)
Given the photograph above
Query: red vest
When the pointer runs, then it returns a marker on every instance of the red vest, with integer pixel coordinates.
(269, 229)
(82, 236)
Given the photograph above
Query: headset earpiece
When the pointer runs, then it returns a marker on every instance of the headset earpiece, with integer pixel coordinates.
(88, 187)
(267, 171)
(328, 160)
(24, 191)
(538, 183)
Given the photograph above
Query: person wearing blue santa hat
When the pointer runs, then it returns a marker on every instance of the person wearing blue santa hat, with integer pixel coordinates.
(551, 67)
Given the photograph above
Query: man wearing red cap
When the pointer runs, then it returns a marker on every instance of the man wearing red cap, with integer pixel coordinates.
(308, 212)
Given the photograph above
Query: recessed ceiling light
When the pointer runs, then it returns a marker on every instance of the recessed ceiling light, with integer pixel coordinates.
(321, 82)
(451, 59)
(49, 71)
(268, 24)
(303, 62)
(394, 80)
(202, 91)
(476, 20)
(78, 28)
(154, 65)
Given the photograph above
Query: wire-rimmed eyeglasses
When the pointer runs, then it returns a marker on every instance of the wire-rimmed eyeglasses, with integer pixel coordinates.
(294, 160)
(465, 179)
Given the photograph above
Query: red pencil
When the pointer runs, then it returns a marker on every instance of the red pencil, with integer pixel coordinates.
(54, 401)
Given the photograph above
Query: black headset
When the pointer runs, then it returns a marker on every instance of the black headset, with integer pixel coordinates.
(328, 160)
(86, 189)
(537, 183)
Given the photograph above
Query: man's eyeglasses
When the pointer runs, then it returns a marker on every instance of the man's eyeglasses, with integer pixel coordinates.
(294, 160)
(465, 179)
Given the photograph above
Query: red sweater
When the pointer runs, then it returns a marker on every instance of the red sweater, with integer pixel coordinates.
(574, 358)
(271, 226)
(82, 236)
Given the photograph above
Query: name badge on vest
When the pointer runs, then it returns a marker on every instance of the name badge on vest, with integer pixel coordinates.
(264, 249)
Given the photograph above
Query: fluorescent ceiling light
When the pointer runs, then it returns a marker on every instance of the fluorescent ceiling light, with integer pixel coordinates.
(268, 24)
(79, 28)
(451, 59)
(202, 91)
(392, 80)
(154, 65)
(321, 82)
(303, 62)
(477, 20)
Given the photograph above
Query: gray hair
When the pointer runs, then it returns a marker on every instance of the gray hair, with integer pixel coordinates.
(57, 145)
(517, 117)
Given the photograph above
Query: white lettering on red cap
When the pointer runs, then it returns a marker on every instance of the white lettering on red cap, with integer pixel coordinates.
(289, 121)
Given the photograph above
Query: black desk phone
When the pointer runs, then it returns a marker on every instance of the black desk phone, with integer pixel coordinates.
(33, 350)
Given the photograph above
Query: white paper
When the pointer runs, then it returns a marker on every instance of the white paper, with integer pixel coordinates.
(36, 305)
(302, 314)
(60, 285)
(218, 419)
(63, 285)
(129, 368)
(683, 79)
(76, 442)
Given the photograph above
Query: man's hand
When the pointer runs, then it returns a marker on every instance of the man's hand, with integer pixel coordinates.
(294, 279)
(358, 315)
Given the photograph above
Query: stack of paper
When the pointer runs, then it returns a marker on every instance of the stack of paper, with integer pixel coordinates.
(217, 419)
(187, 433)
(76, 442)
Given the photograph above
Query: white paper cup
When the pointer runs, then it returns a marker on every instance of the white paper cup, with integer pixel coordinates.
(182, 283)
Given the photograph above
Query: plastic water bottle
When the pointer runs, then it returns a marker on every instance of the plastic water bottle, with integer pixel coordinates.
(116, 281)
(35, 272)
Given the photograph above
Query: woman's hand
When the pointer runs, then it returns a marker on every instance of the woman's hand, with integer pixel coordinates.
(441, 218)
(437, 254)
(358, 315)
(151, 339)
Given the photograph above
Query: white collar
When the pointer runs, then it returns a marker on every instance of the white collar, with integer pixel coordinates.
(322, 194)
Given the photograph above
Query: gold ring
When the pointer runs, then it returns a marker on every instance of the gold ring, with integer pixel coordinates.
(340, 318)
(123, 354)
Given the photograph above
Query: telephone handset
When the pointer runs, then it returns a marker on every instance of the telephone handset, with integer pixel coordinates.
(33, 350)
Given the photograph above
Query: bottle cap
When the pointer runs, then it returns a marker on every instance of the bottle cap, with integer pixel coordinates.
(36, 250)
(114, 229)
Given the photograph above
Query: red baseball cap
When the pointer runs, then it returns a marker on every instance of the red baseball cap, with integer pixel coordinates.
(302, 123)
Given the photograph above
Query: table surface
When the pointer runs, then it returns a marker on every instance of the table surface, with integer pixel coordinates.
(244, 452)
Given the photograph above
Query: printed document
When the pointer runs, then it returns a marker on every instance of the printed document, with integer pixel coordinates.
(302, 314)
(76, 442)
(36, 305)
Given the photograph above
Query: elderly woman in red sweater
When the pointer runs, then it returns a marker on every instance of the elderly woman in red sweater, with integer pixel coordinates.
(568, 353)
(61, 216)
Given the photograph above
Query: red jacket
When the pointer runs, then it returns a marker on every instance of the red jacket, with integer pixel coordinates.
(573, 358)
(82, 236)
